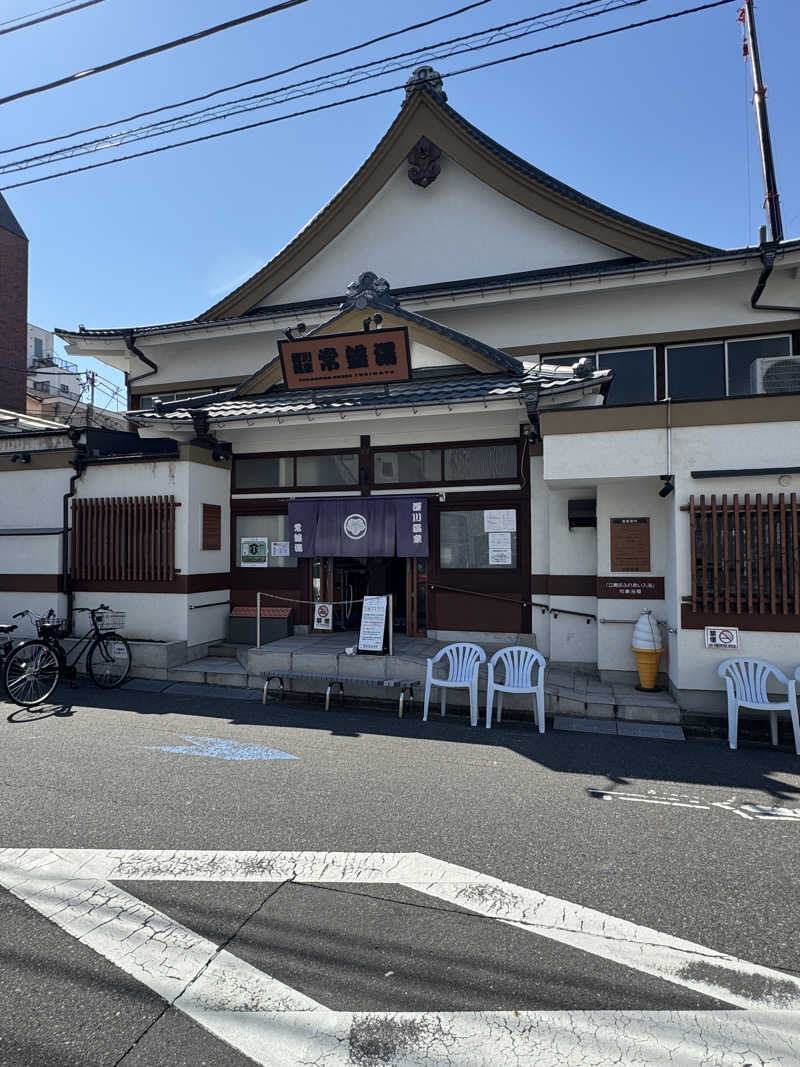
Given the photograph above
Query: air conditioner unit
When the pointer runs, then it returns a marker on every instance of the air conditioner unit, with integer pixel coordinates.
(775, 374)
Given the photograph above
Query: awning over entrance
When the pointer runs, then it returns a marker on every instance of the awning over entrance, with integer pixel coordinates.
(369, 526)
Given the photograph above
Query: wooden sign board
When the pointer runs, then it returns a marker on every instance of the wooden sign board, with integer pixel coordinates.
(346, 359)
(630, 545)
(630, 588)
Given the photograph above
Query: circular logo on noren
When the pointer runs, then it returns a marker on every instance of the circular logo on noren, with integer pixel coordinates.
(355, 526)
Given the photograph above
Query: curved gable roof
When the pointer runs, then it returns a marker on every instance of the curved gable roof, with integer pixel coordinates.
(424, 114)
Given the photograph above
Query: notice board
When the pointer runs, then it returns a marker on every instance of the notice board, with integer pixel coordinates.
(630, 545)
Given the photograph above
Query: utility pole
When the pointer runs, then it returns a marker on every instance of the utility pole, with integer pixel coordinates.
(772, 202)
(90, 377)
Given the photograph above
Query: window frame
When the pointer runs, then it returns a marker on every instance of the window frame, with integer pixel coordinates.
(293, 487)
(755, 337)
(618, 351)
(459, 505)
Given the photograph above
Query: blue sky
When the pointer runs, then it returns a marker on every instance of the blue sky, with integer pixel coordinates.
(655, 122)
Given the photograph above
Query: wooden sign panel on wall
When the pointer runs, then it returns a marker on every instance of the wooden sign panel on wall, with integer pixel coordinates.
(630, 545)
(346, 359)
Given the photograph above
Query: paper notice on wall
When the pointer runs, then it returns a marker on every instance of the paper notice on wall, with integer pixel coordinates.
(499, 548)
(279, 548)
(253, 551)
(373, 624)
(504, 521)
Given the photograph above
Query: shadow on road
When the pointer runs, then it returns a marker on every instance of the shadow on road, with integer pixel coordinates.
(619, 761)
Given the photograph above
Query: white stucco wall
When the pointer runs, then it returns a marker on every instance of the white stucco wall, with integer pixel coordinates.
(457, 227)
(615, 462)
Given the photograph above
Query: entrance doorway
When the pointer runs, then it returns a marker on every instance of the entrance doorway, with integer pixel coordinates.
(351, 578)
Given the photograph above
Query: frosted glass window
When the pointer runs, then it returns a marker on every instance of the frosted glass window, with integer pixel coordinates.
(464, 545)
(340, 469)
(413, 466)
(274, 528)
(482, 462)
(265, 472)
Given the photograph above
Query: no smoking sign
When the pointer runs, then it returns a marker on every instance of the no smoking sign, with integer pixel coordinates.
(722, 637)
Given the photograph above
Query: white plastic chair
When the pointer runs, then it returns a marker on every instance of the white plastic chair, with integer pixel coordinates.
(464, 659)
(520, 663)
(746, 682)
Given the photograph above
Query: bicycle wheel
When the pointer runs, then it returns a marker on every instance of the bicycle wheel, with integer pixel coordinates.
(31, 673)
(109, 661)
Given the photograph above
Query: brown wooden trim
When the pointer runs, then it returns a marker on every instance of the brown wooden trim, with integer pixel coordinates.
(746, 621)
(211, 527)
(726, 411)
(564, 584)
(39, 461)
(182, 584)
(422, 116)
(30, 583)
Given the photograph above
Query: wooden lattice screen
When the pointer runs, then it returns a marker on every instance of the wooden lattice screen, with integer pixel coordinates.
(123, 539)
(745, 554)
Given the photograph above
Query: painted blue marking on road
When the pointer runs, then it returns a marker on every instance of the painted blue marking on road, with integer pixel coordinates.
(220, 748)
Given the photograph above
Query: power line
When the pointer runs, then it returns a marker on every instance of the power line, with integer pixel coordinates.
(349, 76)
(253, 81)
(46, 18)
(373, 94)
(17, 18)
(190, 38)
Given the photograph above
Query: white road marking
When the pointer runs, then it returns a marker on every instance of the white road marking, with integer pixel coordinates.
(277, 1025)
(679, 800)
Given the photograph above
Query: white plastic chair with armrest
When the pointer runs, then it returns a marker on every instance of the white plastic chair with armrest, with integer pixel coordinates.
(746, 681)
(520, 665)
(463, 661)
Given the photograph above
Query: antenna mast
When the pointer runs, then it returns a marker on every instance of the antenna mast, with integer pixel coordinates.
(772, 201)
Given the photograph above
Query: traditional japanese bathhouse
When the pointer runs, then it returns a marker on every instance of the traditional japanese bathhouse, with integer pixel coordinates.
(512, 407)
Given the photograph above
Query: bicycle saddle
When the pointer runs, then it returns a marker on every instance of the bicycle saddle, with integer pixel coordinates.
(7, 627)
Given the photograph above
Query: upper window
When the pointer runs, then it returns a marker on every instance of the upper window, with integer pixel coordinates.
(696, 372)
(634, 372)
(634, 375)
(408, 467)
(480, 463)
(742, 368)
(38, 347)
(325, 470)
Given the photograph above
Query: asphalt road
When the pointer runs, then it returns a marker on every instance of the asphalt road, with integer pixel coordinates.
(689, 840)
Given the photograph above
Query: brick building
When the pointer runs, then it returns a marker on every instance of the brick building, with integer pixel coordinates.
(13, 308)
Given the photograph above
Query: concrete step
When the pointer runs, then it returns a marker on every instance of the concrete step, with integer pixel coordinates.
(211, 670)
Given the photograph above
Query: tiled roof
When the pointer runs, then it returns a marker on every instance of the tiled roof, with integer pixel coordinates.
(422, 392)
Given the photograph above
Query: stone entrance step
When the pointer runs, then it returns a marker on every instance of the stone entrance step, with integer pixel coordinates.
(572, 693)
(211, 670)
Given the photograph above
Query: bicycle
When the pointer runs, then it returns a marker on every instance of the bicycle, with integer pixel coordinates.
(33, 668)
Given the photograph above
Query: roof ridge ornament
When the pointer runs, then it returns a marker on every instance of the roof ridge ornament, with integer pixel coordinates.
(369, 289)
(426, 78)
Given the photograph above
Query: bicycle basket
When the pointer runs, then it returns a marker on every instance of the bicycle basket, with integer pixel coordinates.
(52, 627)
(109, 620)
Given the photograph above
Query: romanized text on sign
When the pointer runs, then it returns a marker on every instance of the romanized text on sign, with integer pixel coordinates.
(346, 359)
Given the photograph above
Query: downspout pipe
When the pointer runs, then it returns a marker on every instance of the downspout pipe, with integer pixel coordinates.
(79, 465)
(768, 253)
(130, 344)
